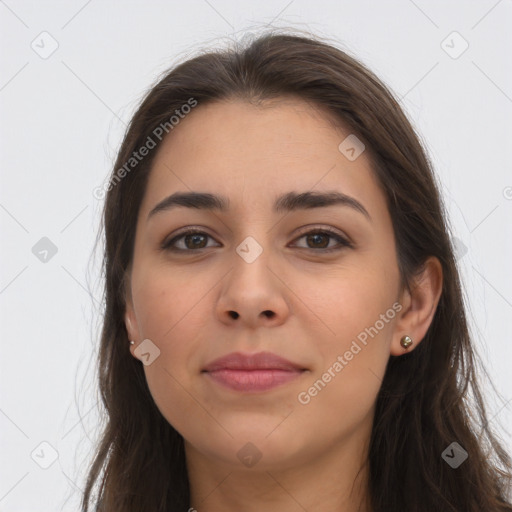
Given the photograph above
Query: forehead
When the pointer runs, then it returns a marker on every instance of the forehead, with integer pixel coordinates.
(252, 153)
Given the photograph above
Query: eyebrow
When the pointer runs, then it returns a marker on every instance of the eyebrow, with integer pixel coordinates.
(287, 202)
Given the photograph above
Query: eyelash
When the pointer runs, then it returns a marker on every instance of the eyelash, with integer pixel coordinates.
(167, 245)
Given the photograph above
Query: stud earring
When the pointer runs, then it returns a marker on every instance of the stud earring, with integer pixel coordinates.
(132, 342)
(406, 342)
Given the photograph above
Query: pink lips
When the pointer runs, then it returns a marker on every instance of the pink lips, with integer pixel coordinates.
(252, 372)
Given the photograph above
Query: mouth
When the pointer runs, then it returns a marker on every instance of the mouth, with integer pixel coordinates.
(252, 372)
(253, 380)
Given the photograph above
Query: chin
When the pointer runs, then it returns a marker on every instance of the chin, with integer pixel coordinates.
(256, 449)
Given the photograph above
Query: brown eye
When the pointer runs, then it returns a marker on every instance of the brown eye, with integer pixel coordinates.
(319, 239)
(192, 240)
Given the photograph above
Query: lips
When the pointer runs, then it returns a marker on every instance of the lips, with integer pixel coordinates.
(252, 372)
(259, 361)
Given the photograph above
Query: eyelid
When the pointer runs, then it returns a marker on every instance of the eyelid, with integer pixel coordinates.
(343, 240)
(315, 228)
(189, 230)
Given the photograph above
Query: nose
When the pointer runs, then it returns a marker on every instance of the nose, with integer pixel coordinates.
(253, 294)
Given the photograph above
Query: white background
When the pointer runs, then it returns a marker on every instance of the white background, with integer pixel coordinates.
(62, 120)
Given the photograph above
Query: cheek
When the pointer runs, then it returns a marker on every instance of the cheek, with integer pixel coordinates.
(349, 301)
(343, 388)
(172, 314)
(168, 305)
(357, 314)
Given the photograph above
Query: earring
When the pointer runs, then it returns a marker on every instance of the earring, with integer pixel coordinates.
(132, 342)
(406, 342)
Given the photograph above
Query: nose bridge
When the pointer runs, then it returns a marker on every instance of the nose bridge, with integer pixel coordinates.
(251, 260)
(253, 233)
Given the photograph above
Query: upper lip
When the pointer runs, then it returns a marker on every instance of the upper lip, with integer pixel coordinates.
(259, 361)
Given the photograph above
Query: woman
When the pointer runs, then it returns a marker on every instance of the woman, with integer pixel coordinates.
(284, 325)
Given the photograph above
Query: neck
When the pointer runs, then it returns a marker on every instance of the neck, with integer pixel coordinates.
(334, 480)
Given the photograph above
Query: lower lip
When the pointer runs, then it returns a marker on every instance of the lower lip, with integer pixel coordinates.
(253, 380)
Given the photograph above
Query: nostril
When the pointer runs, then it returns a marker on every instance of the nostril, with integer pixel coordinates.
(233, 314)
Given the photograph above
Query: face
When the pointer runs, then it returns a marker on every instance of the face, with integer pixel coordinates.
(317, 286)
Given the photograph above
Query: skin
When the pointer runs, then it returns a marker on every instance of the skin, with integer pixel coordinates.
(310, 453)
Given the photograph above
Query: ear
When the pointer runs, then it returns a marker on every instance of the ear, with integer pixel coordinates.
(130, 320)
(419, 306)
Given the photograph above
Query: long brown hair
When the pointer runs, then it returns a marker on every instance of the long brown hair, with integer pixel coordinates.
(424, 404)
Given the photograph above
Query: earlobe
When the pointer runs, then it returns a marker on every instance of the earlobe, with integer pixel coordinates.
(422, 300)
